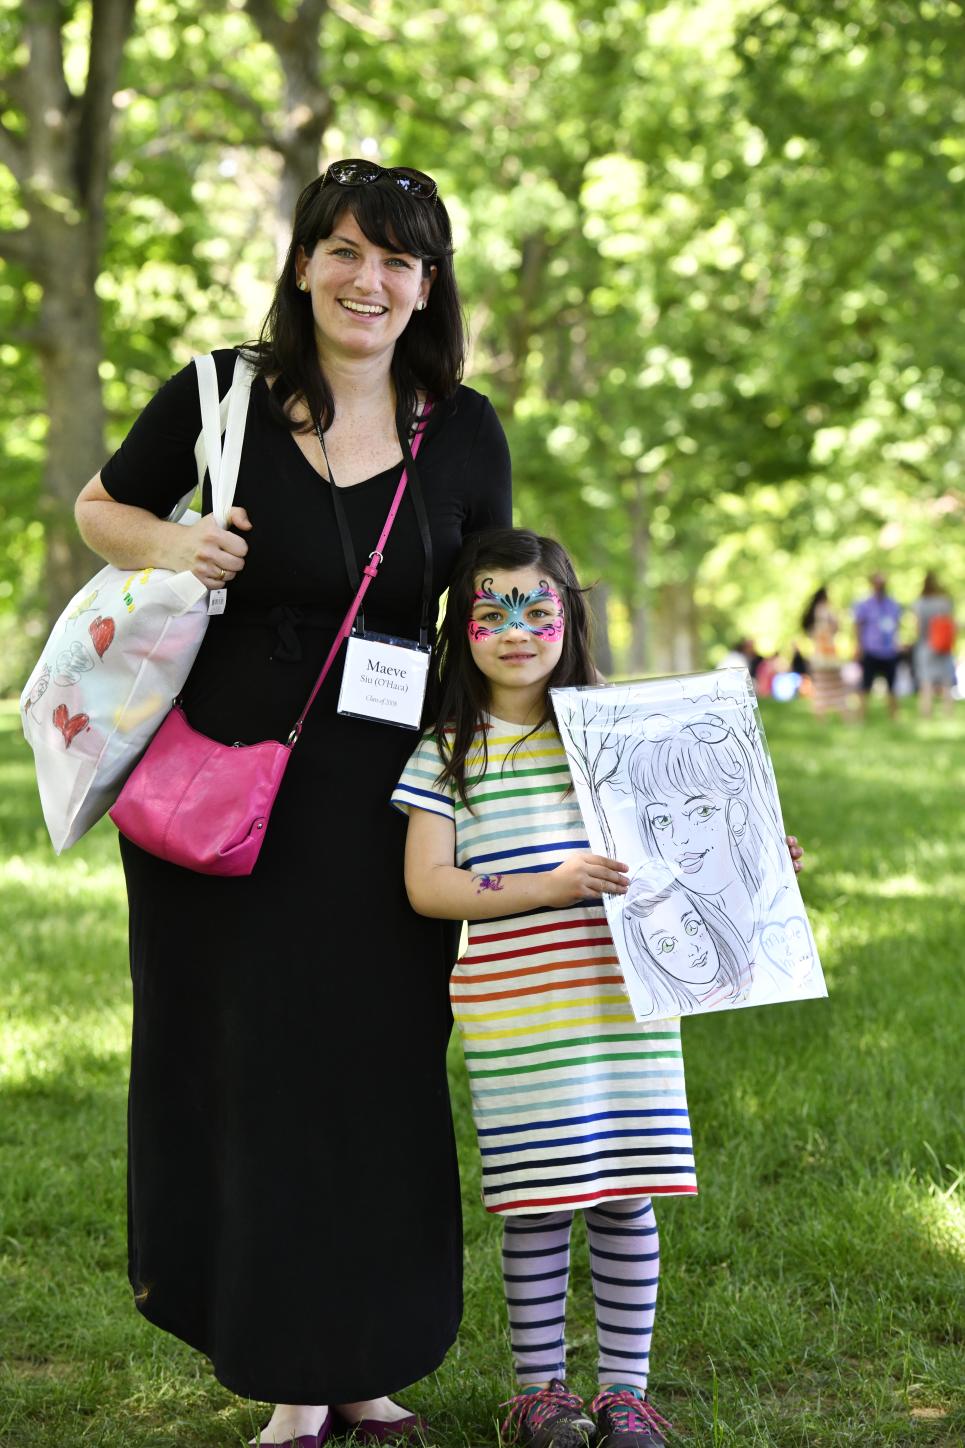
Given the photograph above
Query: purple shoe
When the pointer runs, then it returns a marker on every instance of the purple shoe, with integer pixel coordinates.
(410, 1429)
(309, 1440)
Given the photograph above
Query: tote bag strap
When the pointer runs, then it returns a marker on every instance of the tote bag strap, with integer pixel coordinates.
(223, 464)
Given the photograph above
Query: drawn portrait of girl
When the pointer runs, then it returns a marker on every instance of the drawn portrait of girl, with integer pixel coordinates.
(682, 948)
(702, 809)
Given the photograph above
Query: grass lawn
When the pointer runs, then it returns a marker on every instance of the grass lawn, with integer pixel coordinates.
(813, 1294)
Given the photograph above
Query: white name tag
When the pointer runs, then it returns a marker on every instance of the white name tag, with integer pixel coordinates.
(384, 679)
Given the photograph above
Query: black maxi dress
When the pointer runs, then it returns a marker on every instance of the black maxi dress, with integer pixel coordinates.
(293, 1190)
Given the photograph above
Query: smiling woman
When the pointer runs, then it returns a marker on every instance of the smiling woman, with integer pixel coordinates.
(310, 1060)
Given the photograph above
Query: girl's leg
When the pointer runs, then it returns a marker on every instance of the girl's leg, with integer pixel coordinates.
(625, 1268)
(536, 1269)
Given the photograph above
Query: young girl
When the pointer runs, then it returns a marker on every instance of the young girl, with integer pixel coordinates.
(576, 1105)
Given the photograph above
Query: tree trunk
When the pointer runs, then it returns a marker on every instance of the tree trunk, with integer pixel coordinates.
(674, 631)
(597, 600)
(307, 112)
(70, 352)
(59, 156)
(638, 593)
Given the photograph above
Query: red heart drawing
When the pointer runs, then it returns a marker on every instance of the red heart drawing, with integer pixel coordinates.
(101, 634)
(69, 726)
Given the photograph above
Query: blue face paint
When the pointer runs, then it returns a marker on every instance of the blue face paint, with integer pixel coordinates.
(515, 610)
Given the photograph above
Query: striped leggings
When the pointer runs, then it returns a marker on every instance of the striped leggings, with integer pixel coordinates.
(625, 1268)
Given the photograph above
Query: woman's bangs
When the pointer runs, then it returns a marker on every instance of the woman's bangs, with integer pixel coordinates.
(396, 223)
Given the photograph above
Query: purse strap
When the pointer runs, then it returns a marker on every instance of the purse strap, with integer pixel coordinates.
(368, 573)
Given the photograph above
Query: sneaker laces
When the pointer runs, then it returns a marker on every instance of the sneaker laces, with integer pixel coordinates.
(537, 1408)
(628, 1412)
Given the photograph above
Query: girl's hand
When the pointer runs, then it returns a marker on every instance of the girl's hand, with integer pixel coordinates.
(212, 554)
(583, 877)
(796, 853)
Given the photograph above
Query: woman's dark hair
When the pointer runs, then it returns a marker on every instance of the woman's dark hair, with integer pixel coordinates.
(430, 353)
(930, 586)
(462, 694)
(807, 618)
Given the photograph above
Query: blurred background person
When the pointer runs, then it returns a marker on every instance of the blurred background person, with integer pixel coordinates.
(876, 620)
(935, 645)
(820, 622)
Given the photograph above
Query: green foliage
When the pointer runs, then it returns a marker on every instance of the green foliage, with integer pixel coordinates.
(710, 248)
(810, 1294)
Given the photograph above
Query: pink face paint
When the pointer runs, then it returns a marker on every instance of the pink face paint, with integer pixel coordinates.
(519, 610)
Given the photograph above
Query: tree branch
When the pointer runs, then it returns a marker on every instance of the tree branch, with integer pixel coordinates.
(41, 87)
(20, 247)
(111, 22)
(366, 24)
(269, 24)
(13, 153)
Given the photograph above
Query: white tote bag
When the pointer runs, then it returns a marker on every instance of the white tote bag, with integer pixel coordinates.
(124, 645)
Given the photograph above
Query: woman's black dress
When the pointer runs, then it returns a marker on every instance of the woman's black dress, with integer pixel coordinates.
(293, 1190)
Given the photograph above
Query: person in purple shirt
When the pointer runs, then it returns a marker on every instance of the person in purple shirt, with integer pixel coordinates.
(876, 621)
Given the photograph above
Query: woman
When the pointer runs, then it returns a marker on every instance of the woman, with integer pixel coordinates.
(294, 1207)
(820, 623)
(935, 645)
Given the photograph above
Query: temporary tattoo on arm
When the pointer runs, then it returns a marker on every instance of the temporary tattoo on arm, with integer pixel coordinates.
(488, 882)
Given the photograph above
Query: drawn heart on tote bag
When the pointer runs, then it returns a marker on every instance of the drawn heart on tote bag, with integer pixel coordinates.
(70, 725)
(101, 635)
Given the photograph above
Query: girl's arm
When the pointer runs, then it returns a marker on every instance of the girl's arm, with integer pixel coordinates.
(437, 888)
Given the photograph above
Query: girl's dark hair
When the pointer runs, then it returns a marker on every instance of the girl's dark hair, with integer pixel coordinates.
(462, 693)
(807, 618)
(430, 353)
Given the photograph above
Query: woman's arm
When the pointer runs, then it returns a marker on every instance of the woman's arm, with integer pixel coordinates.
(437, 888)
(131, 537)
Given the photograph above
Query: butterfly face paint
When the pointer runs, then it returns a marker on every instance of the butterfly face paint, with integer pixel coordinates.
(540, 612)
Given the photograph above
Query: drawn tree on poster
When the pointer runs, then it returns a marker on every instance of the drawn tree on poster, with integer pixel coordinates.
(597, 750)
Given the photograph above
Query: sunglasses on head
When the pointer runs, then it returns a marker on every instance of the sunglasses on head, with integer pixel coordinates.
(359, 173)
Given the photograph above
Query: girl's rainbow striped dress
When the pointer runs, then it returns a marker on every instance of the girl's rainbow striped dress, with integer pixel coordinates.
(574, 1101)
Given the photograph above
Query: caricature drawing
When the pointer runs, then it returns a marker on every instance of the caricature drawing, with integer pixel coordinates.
(701, 810)
(686, 953)
(673, 776)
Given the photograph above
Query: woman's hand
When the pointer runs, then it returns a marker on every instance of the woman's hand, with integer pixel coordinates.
(584, 876)
(212, 554)
(796, 853)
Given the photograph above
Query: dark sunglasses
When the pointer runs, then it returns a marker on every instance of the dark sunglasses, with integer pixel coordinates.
(360, 173)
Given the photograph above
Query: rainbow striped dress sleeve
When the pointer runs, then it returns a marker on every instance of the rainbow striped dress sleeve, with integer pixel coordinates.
(419, 788)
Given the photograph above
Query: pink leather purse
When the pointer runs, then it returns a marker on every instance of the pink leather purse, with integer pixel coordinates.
(204, 805)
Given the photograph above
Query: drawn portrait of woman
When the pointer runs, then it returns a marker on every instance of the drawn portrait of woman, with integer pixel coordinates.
(702, 809)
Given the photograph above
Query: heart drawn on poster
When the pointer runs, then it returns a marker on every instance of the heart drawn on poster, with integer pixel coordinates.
(101, 634)
(70, 725)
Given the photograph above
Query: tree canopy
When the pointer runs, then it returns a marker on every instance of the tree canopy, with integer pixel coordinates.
(711, 251)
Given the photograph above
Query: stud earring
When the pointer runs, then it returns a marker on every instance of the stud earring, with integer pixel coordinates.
(420, 306)
(303, 285)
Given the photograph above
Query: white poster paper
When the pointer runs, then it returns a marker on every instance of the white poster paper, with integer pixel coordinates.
(674, 778)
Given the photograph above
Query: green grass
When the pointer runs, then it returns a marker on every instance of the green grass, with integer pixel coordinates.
(811, 1295)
